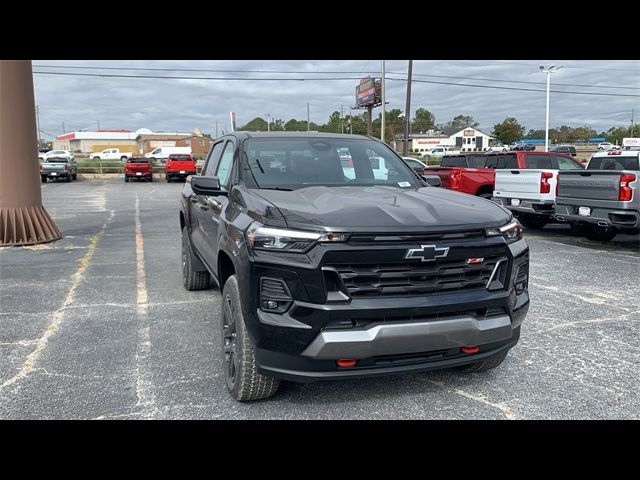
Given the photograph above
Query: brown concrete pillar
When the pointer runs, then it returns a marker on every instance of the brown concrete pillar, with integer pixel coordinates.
(23, 219)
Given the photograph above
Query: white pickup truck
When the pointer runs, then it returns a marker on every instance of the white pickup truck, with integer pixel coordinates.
(531, 193)
(111, 154)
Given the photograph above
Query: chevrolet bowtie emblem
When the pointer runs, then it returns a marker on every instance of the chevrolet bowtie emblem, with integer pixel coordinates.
(426, 253)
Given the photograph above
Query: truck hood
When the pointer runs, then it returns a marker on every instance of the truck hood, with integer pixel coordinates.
(382, 208)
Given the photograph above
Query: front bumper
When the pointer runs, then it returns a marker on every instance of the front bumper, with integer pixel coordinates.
(385, 334)
(526, 206)
(604, 217)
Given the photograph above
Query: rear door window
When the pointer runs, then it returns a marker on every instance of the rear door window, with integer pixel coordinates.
(501, 161)
(454, 162)
(538, 162)
(614, 163)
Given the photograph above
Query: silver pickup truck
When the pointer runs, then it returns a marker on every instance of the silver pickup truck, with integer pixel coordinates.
(58, 167)
(604, 199)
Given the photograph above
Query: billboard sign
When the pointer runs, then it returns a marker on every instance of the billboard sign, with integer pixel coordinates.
(368, 92)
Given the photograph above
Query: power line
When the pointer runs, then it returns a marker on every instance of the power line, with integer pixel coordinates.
(516, 81)
(361, 72)
(517, 88)
(571, 66)
(105, 75)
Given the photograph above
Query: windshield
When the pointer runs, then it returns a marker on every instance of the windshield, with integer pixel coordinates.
(292, 163)
(612, 162)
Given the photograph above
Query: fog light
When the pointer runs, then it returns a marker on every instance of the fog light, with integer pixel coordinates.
(274, 295)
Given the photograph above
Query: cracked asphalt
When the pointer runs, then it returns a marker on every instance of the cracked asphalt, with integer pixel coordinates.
(98, 325)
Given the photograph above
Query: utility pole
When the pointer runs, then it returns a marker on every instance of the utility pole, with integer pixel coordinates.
(38, 125)
(407, 110)
(307, 116)
(63, 130)
(341, 121)
(632, 122)
(98, 124)
(383, 104)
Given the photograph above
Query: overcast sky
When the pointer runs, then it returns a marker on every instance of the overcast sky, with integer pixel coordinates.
(184, 104)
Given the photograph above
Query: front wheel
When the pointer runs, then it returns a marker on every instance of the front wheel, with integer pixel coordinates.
(239, 352)
(484, 365)
(533, 221)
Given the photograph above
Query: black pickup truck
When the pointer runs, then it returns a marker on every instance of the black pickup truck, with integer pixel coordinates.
(333, 270)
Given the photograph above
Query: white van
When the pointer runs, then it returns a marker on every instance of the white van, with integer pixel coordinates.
(161, 153)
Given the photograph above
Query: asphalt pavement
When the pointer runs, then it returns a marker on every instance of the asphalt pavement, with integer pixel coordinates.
(98, 326)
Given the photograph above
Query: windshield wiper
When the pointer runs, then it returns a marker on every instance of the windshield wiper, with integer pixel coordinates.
(284, 189)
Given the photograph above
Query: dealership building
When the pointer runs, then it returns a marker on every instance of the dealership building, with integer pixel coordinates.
(141, 141)
(460, 138)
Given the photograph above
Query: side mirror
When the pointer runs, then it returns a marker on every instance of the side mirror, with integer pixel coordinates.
(206, 185)
(432, 180)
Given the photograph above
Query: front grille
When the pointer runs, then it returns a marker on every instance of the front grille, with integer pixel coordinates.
(377, 279)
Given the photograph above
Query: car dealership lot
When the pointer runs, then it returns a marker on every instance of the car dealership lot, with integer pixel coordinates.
(98, 325)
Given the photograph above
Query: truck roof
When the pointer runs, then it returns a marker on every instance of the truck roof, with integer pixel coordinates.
(616, 153)
(286, 134)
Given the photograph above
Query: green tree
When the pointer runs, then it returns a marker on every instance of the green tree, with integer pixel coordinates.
(461, 121)
(531, 134)
(509, 130)
(423, 121)
(616, 134)
(258, 124)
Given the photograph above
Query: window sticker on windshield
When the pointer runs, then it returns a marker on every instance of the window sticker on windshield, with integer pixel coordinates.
(404, 184)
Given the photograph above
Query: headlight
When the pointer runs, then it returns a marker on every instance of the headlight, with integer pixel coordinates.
(283, 239)
(512, 231)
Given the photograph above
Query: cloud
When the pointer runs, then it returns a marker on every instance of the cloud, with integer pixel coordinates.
(181, 105)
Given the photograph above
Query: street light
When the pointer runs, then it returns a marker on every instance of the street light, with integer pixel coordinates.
(268, 115)
(548, 70)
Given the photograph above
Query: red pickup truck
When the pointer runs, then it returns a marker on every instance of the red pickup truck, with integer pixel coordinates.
(475, 173)
(138, 167)
(180, 165)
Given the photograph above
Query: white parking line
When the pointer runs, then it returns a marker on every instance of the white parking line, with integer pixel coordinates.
(144, 385)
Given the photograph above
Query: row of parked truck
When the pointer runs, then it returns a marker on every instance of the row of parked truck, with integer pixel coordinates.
(598, 201)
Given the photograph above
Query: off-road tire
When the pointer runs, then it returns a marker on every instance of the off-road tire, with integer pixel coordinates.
(241, 375)
(192, 279)
(533, 221)
(484, 365)
(598, 234)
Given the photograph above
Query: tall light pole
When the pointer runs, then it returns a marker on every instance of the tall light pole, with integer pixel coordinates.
(383, 102)
(307, 116)
(407, 111)
(268, 115)
(548, 70)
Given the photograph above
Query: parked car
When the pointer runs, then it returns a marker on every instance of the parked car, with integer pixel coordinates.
(325, 277)
(111, 154)
(439, 152)
(530, 193)
(162, 153)
(56, 153)
(179, 166)
(607, 146)
(58, 167)
(498, 147)
(465, 173)
(603, 200)
(45, 149)
(415, 165)
(138, 167)
(527, 147)
(568, 149)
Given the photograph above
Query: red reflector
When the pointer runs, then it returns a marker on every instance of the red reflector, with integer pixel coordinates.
(346, 362)
(474, 260)
(472, 349)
